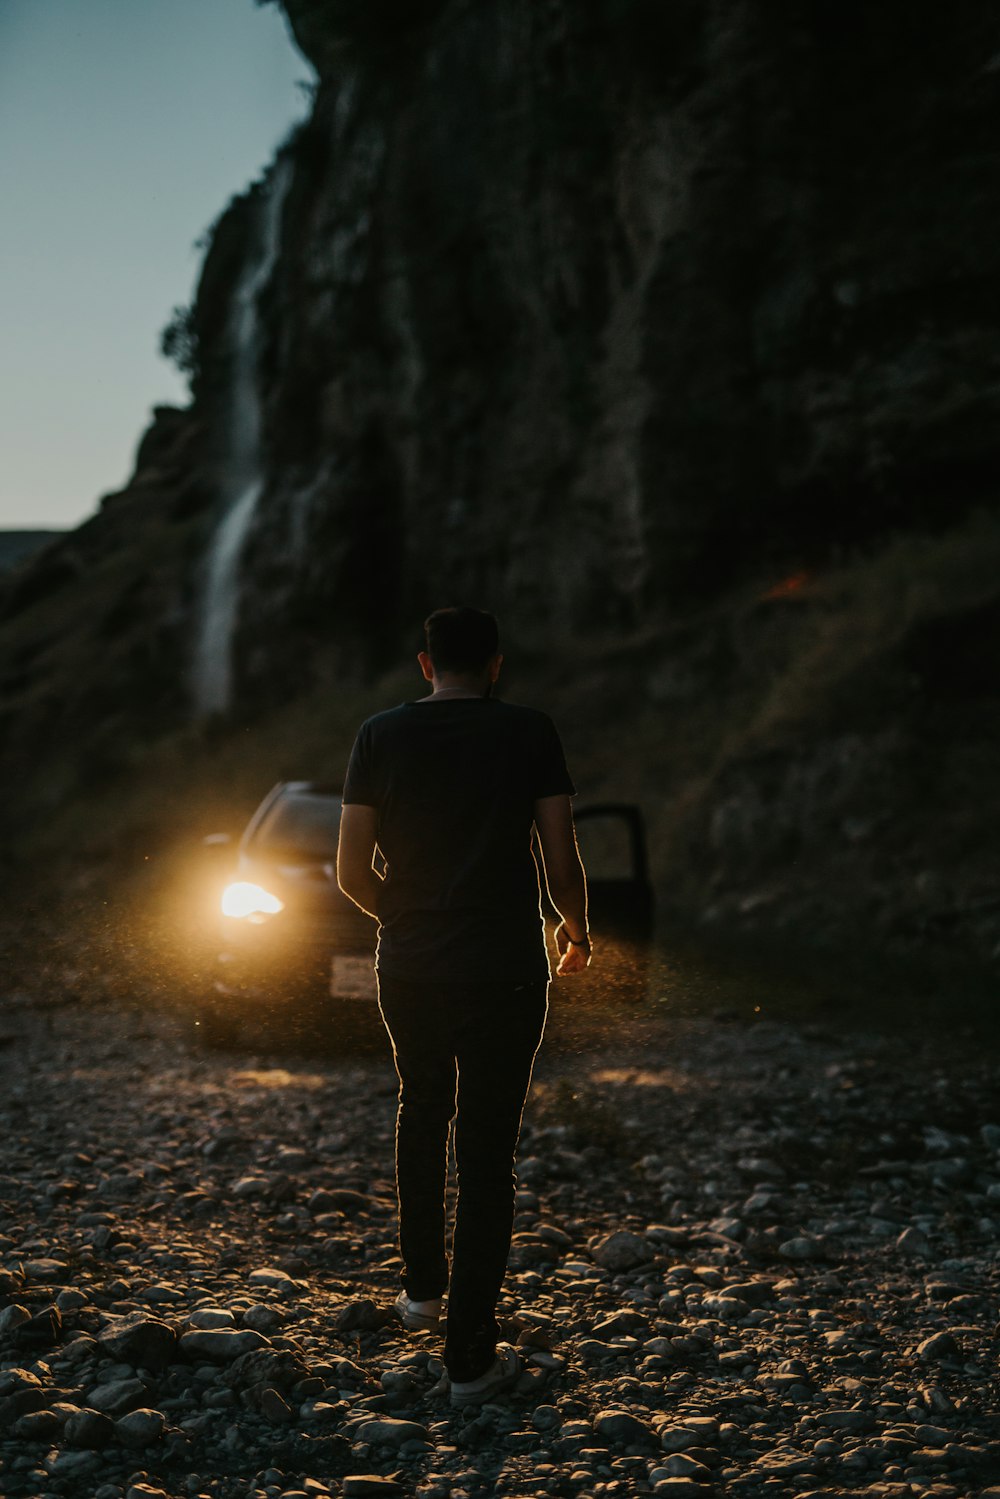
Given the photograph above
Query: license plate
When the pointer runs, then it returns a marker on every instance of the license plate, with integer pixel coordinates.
(352, 977)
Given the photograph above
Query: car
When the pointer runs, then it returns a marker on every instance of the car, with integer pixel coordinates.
(612, 841)
(621, 907)
(295, 953)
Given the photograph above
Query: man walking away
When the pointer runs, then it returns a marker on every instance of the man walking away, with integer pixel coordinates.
(447, 789)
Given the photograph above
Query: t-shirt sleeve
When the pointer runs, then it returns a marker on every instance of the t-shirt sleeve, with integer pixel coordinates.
(549, 774)
(359, 783)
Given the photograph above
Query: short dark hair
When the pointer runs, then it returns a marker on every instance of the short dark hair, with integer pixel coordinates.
(461, 639)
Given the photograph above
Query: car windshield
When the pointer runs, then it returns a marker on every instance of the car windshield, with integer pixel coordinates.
(301, 824)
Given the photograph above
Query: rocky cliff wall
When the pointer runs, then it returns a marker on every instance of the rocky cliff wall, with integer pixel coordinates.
(580, 307)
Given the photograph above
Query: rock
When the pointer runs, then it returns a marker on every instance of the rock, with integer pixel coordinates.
(680, 1465)
(370, 1486)
(387, 1431)
(117, 1396)
(13, 1316)
(940, 1345)
(44, 1269)
(89, 1428)
(208, 1318)
(70, 1465)
(40, 1331)
(802, 1248)
(70, 1300)
(677, 1438)
(140, 1340)
(362, 1315)
(624, 1323)
(274, 1408)
(541, 1358)
(622, 1426)
(912, 1241)
(620, 1250)
(266, 1368)
(846, 1420)
(220, 1344)
(932, 1436)
(275, 1280)
(140, 1428)
(251, 1186)
(38, 1426)
(545, 1418)
(262, 1318)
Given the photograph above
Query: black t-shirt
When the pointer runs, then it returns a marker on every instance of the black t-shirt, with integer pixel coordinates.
(454, 784)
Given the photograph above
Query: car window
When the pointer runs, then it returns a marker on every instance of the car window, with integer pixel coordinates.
(301, 825)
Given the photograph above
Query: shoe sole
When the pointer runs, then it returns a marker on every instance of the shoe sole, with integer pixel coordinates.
(414, 1322)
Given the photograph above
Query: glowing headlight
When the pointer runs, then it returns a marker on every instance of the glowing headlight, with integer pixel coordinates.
(246, 900)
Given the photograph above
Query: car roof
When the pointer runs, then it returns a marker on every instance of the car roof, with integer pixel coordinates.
(288, 788)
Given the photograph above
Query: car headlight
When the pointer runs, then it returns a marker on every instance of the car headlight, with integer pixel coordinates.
(250, 902)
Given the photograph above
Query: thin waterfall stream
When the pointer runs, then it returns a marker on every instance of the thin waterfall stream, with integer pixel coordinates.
(213, 660)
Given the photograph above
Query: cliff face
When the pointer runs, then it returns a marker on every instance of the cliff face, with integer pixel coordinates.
(657, 328)
(579, 308)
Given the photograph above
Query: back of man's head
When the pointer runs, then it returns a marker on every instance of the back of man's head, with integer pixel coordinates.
(462, 639)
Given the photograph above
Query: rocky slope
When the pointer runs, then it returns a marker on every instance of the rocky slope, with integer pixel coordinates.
(668, 332)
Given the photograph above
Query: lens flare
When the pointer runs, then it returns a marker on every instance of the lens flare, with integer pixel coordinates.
(246, 900)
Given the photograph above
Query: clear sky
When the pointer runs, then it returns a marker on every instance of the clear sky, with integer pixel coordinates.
(125, 127)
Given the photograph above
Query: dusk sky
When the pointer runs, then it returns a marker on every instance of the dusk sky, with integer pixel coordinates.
(125, 127)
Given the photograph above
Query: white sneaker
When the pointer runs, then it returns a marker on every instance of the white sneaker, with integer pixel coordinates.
(507, 1370)
(418, 1316)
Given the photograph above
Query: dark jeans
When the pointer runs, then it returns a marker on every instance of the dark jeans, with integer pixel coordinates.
(484, 1036)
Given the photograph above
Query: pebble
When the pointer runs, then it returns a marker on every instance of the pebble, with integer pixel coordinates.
(620, 1250)
(139, 1340)
(940, 1345)
(275, 1280)
(89, 1428)
(677, 1438)
(223, 1343)
(622, 1426)
(140, 1428)
(802, 1248)
(117, 1396)
(370, 1486)
(387, 1431)
(210, 1317)
(681, 1465)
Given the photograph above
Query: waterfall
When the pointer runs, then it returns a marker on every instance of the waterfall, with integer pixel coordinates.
(213, 662)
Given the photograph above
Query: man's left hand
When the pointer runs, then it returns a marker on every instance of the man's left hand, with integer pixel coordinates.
(575, 957)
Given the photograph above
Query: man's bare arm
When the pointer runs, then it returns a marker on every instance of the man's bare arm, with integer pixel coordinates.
(355, 852)
(564, 876)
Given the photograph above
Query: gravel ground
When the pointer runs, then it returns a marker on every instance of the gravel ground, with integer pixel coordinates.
(747, 1259)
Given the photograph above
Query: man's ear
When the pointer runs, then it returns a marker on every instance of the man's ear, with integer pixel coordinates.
(495, 666)
(426, 665)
